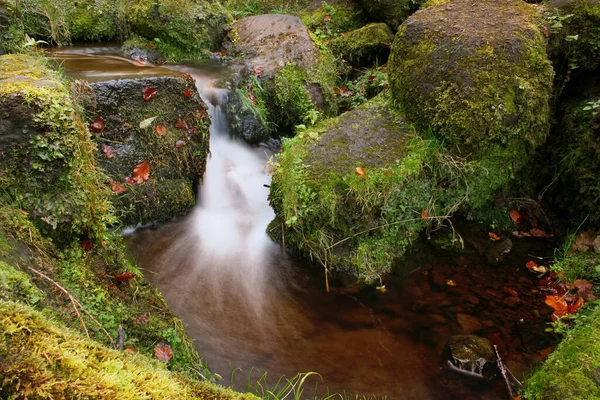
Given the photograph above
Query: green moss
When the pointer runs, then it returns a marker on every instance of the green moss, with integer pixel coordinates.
(15, 284)
(331, 20)
(367, 45)
(44, 359)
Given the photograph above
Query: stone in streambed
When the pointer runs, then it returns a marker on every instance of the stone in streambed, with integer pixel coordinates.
(470, 355)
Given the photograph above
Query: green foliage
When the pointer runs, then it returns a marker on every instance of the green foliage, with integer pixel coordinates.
(245, 8)
(367, 85)
(331, 20)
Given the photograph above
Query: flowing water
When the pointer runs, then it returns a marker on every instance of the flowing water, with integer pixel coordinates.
(251, 309)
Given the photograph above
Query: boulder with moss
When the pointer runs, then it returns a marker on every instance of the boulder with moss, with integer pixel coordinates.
(448, 66)
(174, 144)
(365, 46)
(284, 80)
(329, 20)
(46, 152)
(392, 12)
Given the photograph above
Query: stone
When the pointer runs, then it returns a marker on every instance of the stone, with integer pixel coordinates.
(468, 323)
(470, 355)
(497, 251)
(364, 46)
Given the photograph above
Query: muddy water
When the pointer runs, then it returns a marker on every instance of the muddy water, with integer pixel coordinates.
(252, 309)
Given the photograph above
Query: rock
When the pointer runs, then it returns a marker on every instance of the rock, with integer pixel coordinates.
(468, 323)
(392, 12)
(447, 71)
(363, 47)
(272, 40)
(470, 355)
(46, 163)
(512, 301)
(496, 252)
(143, 52)
(174, 171)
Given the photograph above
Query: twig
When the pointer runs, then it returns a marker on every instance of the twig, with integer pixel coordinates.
(504, 374)
(121, 338)
(75, 303)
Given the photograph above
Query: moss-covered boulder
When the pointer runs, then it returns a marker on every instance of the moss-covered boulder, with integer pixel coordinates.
(47, 166)
(330, 19)
(448, 72)
(174, 143)
(392, 12)
(365, 46)
(178, 29)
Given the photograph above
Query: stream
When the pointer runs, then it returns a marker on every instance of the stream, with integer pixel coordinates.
(251, 309)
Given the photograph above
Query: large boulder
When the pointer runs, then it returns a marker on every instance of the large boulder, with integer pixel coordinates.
(174, 144)
(364, 46)
(448, 71)
(392, 12)
(46, 163)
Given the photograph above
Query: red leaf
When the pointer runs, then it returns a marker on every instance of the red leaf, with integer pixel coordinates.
(546, 282)
(493, 236)
(179, 144)
(86, 245)
(187, 76)
(149, 93)
(531, 264)
(130, 180)
(187, 93)
(256, 70)
(181, 125)
(107, 150)
(160, 130)
(423, 214)
(572, 308)
(538, 233)
(141, 172)
(125, 276)
(371, 78)
(558, 304)
(343, 91)
(163, 352)
(515, 216)
(117, 188)
(510, 291)
(584, 289)
(97, 126)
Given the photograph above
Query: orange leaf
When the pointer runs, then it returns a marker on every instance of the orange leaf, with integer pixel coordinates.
(572, 308)
(538, 233)
(163, 352)
(423, 214)
(97, 126)
(187, 93)
(149, 93)
(510, 291)
(107, 150)
(117, 188)
(125, 276)
(557, 303)
(141, 172)
(360, 171)
(130, 349)
(181, 125)
(515, 216)
(493, 236)
(531, 264)
(160, 130)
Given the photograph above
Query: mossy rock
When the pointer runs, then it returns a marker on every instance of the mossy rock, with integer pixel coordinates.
(46, 152)
(447, 71)
(175, 169)
(331, 19)
(365, 46)
(392, 12)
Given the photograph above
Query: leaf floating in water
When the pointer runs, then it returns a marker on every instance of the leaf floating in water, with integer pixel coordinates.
(181, 125)
(516, 216)
(187, 93)
(125, 276)
(179, 144)
(97, 126)
(163, 352)
(538, 233)
(149, 93)
(118, 188)
(161, 130)
(493, 236)
(147, 122)
(107, 150)
(141, 173)
(531, 264)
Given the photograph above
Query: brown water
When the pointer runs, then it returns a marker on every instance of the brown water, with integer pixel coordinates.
(251, 308)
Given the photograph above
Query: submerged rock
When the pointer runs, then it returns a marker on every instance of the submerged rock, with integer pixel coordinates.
(180, 115)
(471, 355)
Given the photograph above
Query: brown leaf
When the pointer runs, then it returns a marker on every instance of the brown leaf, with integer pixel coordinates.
(97, 126)
(538, 233)
(141, 319)
(515, 216)
(125, 276)
(161, 130)
(187, 93)
(360, 172)
(256, 70)
(493, 236)
(343, 91)
(163, 352)
(558, 304)
(130, 349)
(585, 289)
(23, 213)
(371, 78)
(117, 188)
(191, 131)
(584, 241)
(130, 180)
(149, 93)
(141, 172)
(107, 150)
(423, 214)
(181, 125)
(572, 308)
(596, 244)
(179, 144)
(510, 291)
(86, 245)
(327, 18)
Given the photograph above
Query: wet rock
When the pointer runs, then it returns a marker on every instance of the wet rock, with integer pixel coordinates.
(144, 53)
(497, 251)
(174, 170)
(470, 355)
(468, 323)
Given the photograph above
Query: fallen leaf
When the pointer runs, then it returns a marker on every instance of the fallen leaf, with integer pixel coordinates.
(191, 131)
(199, 113)
(360, 172)
(130, 349)
(187, 76)
(371, 78)
(163, 352)
(572, 308)
(546, 282)
(584, 241)
(107, 150)
(147, 122)
(343, 91)
(117, 188)
(161, 130)
(125, 276)
(538, 233)
(423, 214)
(86, 245)
(585, 289)
(130, 180)
(561, 288)
(149, 93)
(510, 291)
(531, 264)
(493, 236)
(179, 144)
(558, 304)
(256, 70)
(540, 270)
(97, 126)
(23, 213)
(451, 283)
(181, 125)
(327, 18)
(141, 319)
(141, 172)
(187, 93)
(515, 216)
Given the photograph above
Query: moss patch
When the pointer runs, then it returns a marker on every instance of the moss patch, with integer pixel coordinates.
(365, 46)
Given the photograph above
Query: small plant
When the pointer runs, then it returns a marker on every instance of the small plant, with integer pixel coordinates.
(592, 106)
